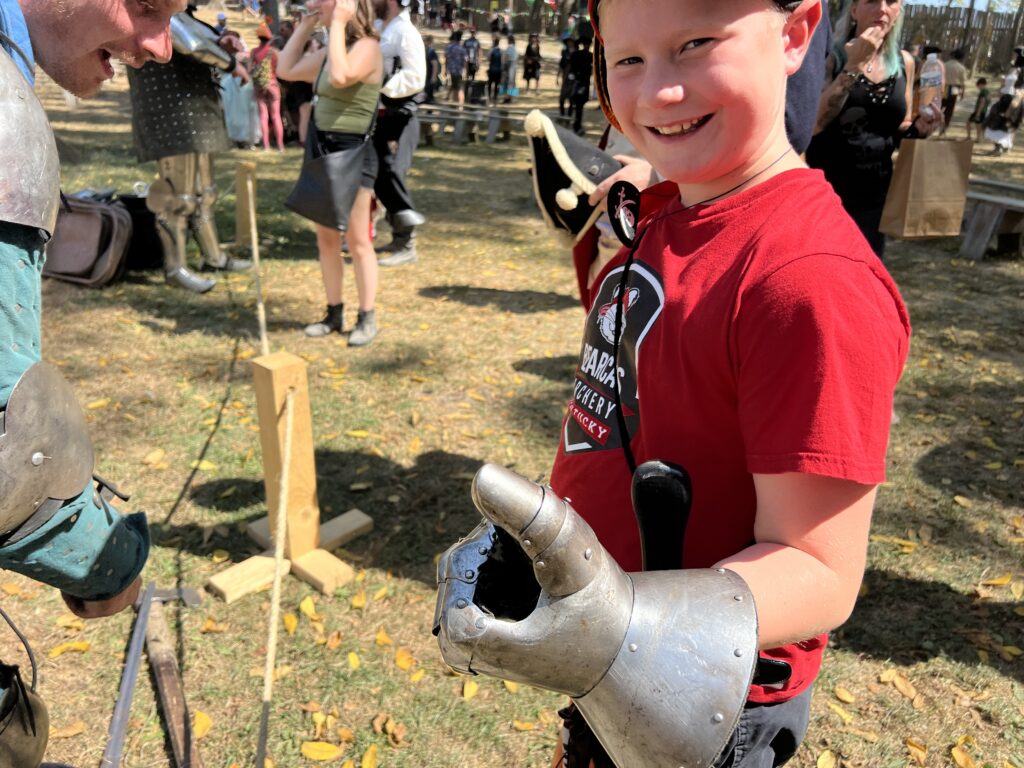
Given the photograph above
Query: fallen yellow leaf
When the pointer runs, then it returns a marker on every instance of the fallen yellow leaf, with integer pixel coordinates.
(308, 608)
(204, 465)
(522, 725)
(95, 405)
(79, 646)
(291, 622)
(1017, 589)
(827, 759)
(211, 626)
(346, 734)
(70, 621)
(846, 717)
(220, 555)
(999, 581)
(66, 732)
(353, 660)
(404, 659)
(359, 599)
(10, 588)
(510, 686)
(470, 688)
(382, 638)
(369, 757)
(381, 593)
(888, 676)
(201, 724)
(918, 751)
(963, 501)
(359, 433)
(418, 675)
(869, 736)
(961, 758)
(844, 695)
(320, 750)
(154, 457)
(904, 686)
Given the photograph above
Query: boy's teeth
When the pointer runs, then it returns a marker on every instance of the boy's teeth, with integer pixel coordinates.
(672, 130)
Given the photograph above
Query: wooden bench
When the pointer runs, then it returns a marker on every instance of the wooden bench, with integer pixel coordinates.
(992, 215)
(465, 122)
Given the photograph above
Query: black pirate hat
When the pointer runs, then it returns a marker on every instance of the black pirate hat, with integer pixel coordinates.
(566, 170)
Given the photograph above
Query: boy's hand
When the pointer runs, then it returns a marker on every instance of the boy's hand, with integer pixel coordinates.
(96, 609)
(635, 170)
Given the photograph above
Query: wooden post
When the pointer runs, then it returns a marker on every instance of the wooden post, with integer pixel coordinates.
(245, 206)
(273, 376)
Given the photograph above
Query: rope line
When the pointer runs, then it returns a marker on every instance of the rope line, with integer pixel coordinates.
(261, 312)
(275, 598)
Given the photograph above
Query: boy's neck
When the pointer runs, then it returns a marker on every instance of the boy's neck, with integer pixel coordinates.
(778, 157)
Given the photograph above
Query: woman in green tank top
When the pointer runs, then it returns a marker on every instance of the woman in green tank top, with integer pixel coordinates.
(347, 75)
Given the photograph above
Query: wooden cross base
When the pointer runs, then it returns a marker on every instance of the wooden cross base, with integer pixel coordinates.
(317, 567)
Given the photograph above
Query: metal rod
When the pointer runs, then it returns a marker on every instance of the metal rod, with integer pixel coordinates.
(119, 721)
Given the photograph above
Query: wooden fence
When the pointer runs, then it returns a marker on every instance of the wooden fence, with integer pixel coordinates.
(986, 37)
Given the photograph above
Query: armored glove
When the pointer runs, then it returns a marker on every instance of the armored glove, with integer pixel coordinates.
(659, 663)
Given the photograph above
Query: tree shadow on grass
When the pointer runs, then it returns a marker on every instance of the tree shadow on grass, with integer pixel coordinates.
(520, 302)
(418, 512)
(557, 369)
(909, 620)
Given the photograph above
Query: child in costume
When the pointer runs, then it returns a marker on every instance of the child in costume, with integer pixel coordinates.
(747, 334)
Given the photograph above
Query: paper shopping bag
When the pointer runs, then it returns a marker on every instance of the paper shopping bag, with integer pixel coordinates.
(928, 190)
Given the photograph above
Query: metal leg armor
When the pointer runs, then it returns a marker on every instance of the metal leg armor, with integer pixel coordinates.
(173, 209)
(202, 223)
(658, 662)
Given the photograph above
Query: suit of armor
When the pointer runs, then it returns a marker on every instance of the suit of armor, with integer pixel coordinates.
(178, 121)
(55, 527)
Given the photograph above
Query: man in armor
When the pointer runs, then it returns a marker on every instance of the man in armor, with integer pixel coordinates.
(56, 525)
(178, 120)
(398, 131)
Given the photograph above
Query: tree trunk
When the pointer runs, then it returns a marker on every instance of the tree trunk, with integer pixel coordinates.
(967, 32)
(534, 22)
(986, 34)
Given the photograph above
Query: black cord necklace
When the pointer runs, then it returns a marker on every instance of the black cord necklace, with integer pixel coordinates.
(743, 183)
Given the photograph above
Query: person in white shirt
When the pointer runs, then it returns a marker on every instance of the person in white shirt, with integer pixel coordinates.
(397, 131)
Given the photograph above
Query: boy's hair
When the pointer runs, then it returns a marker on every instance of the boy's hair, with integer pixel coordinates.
(600, 66)
(845, 30)
(981, 81)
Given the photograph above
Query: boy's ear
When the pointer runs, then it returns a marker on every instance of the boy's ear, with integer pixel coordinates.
(798, 31)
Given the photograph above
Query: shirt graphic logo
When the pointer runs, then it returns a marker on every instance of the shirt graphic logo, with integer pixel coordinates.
(592, 423)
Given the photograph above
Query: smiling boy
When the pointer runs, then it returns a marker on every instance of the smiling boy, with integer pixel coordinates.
(758, 347)
(748, 335)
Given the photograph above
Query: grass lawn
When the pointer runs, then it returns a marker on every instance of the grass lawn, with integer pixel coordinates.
(473, 363)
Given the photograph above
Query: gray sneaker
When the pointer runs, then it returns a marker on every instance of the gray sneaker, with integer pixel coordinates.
(397, 258)
(365, 329)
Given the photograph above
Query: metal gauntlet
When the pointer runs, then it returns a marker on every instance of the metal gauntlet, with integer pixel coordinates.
(659, 663)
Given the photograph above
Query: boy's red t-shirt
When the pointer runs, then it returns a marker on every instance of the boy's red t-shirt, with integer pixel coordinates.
(761, 335)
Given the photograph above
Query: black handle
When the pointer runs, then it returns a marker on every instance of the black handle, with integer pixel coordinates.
(662, 494)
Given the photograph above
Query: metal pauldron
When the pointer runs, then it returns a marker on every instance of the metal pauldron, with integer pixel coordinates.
(190, 37)
(29, 166)
(45, 450)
